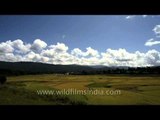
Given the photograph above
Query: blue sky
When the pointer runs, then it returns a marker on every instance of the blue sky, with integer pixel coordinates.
(99, 32)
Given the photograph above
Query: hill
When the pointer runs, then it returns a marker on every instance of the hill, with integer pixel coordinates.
(38, 68)
(23, 68)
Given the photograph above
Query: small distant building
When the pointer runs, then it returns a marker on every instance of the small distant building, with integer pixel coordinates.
(67, 73)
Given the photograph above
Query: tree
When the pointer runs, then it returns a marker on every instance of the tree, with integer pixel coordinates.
(3, 79)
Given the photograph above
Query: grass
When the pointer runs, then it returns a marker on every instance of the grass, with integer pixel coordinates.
(135, 90)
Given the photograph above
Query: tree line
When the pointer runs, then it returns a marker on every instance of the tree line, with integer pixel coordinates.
(105, 70)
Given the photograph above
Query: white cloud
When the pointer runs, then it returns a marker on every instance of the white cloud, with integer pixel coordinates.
(89, 53)
(153, 57)
(123, 58)
(144, 16)
(60, 47)
(20, 47)
(59, 54)
(152, 42)
(38, 45)
(32, 56)
(48, 53)
(11, 57)
(130, 17)
(92, 52)
(5, 47)
(156, 29)
(14, 46)
(118, 57)
(133, 16)
(77, 52)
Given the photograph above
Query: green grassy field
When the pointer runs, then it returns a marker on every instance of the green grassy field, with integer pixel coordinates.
(123, 89)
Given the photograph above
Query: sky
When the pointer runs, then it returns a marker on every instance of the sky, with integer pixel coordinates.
(110, 40)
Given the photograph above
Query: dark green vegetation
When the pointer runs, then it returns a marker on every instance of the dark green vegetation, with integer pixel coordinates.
(3, 79)
(25, 68)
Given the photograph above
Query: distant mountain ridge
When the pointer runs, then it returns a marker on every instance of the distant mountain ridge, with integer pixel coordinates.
(22, 68)
(36, 67)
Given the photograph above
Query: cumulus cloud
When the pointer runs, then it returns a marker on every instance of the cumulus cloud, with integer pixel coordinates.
(153, 57)
(38, 45)
(5, 47)
(48, 53)
(118, 57)
(10, 57)
(90, 52)
(20, 47)
(59, 47)
(152, 42)
(58, 53)
(32, 56)
(77, 52)
(123, 58)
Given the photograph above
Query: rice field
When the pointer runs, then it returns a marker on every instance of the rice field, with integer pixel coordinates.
(58, 89)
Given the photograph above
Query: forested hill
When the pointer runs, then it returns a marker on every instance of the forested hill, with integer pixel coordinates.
(38, 68)
(22, 68)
